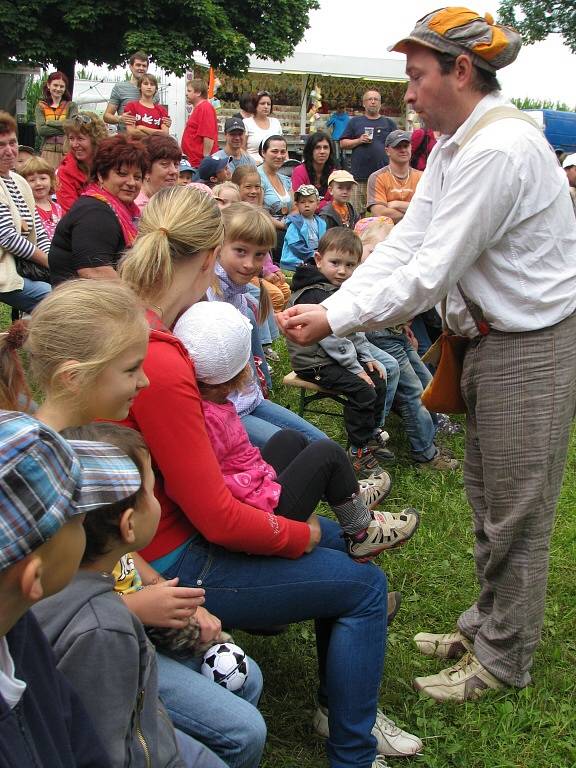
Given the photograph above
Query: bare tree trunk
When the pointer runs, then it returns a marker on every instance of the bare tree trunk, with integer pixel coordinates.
(67, 66)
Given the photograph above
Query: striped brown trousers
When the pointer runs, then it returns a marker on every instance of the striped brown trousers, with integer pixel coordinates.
(520, 392)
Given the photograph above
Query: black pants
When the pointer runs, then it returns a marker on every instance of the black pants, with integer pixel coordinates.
(308, 472)
(364, 404)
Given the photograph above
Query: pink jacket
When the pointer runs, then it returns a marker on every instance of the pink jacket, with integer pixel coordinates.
(248, 477)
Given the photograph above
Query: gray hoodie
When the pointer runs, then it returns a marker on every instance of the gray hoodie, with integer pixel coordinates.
(103, 650)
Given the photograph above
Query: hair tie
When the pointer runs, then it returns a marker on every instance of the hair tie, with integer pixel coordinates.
(16, 335)
(163, 230)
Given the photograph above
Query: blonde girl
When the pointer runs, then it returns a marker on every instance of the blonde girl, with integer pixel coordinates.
(42, 179)
(248, 180)
(251, 564)
(248, 233)
(85, 345)
(226, 193)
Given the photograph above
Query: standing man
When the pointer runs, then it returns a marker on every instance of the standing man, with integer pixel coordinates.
(391, 189)
(126, 91)
(234, 132)
(491, 227)
(365, 136)
(200, 137)
(338, 121)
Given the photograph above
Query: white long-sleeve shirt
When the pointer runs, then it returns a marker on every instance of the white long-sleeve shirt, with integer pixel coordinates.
(495, 216)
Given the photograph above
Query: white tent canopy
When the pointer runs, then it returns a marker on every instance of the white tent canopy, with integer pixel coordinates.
(311, 65)
(391, 70)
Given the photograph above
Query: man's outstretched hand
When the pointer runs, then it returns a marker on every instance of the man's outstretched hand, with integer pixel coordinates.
(304, 323)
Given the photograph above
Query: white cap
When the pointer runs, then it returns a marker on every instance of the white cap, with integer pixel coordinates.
(569, 160)
(218, 339)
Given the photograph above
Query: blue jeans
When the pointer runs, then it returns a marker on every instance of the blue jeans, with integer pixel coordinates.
(268, 417)
(32, 292)
(227, 723)
(414, 375)
(256, 347)
(196, 755)
(268, 330)
(348, 602)
(392, 376)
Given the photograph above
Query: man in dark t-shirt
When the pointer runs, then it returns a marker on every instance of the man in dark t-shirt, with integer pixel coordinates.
(366, 136)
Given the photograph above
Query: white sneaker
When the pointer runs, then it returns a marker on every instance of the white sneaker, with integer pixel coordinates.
(387, 530)
(443, 646)
(380, 762)
(375, 488)
(392, 741)
(467, 680)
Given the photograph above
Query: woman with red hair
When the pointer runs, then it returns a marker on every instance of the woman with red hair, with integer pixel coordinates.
(90, 239)
(52, 110)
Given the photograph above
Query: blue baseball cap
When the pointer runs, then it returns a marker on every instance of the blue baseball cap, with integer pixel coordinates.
(45, 480)
(185, 166)
(210, 167)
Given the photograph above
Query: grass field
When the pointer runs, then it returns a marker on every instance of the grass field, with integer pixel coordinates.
(534, 728)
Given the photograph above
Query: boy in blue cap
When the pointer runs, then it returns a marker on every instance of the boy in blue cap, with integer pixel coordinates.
(47, 485)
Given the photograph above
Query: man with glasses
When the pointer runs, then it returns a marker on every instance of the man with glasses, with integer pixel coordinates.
(366, 136)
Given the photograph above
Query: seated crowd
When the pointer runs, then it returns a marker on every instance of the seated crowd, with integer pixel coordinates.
(112, 256)
(153, 279)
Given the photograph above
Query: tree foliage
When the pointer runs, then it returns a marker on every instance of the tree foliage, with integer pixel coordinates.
(535, 19)
(56, 32)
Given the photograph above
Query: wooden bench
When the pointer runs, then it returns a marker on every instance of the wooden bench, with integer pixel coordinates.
(311, 393)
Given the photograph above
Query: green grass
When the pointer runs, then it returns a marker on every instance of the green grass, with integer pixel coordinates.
(534, 728)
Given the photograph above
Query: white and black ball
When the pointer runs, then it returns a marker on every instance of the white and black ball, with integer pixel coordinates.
(227, 665)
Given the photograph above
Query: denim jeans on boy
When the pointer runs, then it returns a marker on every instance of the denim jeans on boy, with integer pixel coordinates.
(348, 601)
(390, 364)
(193, 754)
(31, 293)
(227, 723)
(418, 421)
(268, 417)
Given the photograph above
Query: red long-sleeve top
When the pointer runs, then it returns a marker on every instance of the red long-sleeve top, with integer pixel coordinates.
(71, 182)
(189, 483)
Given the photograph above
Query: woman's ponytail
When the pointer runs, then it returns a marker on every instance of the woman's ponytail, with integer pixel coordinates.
(14, 391)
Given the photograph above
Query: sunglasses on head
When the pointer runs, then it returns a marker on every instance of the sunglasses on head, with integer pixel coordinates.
(82, 119)
(263, 93)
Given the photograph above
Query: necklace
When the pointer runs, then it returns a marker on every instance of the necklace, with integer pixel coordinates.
(402, 181)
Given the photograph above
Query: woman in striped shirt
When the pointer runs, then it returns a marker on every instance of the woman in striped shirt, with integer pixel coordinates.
(23, 241)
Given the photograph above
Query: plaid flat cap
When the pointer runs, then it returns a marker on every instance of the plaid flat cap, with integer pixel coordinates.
(457, 30)
(46, 480)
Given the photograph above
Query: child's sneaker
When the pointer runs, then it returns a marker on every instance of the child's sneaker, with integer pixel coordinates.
(364, 462)
(387, 530)
(375, 488)
(378, 446)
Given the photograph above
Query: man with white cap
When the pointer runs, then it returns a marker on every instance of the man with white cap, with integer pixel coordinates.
(491, 228)
(569, 165)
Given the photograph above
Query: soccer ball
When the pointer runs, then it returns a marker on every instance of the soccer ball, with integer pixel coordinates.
(227, 665)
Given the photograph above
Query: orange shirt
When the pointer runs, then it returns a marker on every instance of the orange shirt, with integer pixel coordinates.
(342, 211)
(384, 187)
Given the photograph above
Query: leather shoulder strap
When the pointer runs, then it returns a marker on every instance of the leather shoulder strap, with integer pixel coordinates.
(492, 116)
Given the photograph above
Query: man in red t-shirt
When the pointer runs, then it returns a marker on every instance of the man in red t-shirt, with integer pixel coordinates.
(200, 137)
